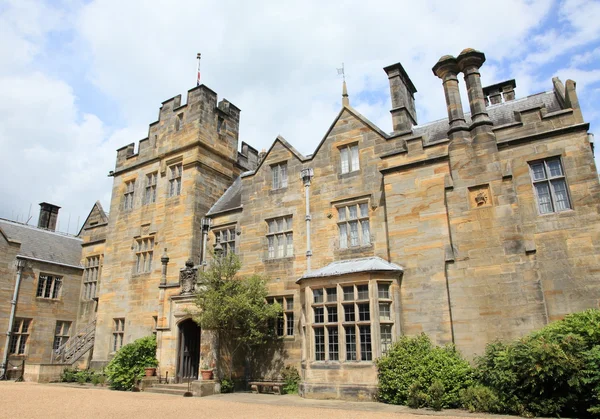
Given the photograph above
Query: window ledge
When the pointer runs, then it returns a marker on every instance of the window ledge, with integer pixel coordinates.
(277, 191)
(140, 274)
(565, 213)
(348, 175)
(50, 300)
(355, 249)
(277, 260)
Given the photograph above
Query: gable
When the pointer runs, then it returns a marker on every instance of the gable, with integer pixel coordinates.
(96, 217)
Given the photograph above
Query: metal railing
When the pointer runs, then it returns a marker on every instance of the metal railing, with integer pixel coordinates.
(76, 346)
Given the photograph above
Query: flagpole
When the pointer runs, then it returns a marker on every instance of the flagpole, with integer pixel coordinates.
(198, 72)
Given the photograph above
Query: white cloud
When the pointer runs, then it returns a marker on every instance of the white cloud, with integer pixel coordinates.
(273, 59)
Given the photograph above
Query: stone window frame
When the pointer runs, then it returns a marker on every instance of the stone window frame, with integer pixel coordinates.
(144, 254)
(61, 333)
(21, 329)
(229, 233)
(91, 274)
(346, 220)
(150, 190)
(284, 326)
(129, 195)
(279, 176)
(49, 286)
(349, 158)
(550, 180)
(118, 333)
(221, 125)
(175, 179)
(364, 343)
(280, 237)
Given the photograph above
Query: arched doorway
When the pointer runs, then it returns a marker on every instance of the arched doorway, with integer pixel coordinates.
(188, 351)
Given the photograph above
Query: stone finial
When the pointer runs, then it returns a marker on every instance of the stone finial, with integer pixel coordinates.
(164, 259)
(345, 100)
(187, 278)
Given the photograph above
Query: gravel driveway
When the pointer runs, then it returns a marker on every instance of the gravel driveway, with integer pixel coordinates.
(31, 400)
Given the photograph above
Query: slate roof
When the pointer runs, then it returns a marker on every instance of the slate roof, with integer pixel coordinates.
(42, 244)
(343, 267)
(232, 198)
(500, 114)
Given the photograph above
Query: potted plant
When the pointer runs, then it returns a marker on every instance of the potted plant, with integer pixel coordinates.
(206, 371)
(150, 371)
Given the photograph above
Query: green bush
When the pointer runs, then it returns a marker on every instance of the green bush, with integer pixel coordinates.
(227, 385)
(291, 377)
(436, 395)
(416, 398)
(417, 360)
(69, 375)
(128, 365)
(479, 399)
(75, 375)
(552, 372)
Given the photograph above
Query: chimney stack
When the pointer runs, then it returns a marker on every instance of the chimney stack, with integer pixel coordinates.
(497, 92)
(404, 114)
(48, 216)
(447, 69)
(469, 61)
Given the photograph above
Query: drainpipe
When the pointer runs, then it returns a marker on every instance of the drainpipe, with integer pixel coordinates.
(13, 308)
(307, 175)
(160, 323)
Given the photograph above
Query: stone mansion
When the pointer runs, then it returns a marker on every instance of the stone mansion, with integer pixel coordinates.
(481, 226)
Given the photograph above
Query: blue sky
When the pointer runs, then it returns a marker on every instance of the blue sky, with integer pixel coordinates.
(80, 79)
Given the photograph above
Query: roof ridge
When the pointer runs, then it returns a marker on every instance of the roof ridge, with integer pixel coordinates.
(56, 233)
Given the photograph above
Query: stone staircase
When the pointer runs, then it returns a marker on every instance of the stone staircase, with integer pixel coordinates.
(173, 389)
(76, 346)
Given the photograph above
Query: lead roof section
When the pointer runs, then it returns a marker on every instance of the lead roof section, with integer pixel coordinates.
(351, 266)
(43, 245)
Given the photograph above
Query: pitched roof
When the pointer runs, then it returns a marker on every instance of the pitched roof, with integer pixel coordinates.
(349, 266)
(97, 208)
(232, 198)
(43, 245)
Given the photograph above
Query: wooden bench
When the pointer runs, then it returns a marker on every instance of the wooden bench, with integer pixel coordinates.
(275, 386)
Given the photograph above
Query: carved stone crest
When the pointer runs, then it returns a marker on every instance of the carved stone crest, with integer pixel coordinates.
(187, 278)
(480, 196)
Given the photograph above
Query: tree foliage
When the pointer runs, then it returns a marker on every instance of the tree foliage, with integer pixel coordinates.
(129, 362)
(235, 307)
(413, 364)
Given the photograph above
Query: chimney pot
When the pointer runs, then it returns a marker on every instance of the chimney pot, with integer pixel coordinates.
(48, 216)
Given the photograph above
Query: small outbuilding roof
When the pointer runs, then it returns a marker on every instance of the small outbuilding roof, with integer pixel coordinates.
(349, 266)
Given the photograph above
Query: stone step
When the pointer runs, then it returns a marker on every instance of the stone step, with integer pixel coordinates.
(183, 386)
(172, 391)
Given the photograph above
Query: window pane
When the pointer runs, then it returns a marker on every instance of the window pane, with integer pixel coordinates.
(290, 324)
(318, 295)
(333, 343)
(353, 212)
(288, 223)
(560, 193)
(275, 172)
(349, 313)
(386, 338)
(271, 226)
(319, 344)
(363, 292)
(363, 312)
(319, 317)
(365, 343)
(366, 233)
(271, 247)
(344, 159)
(348, 293)
(354, 233)
(332, 315)
(384, 311)
(289, 301)
(342, 213)
(284, 178)
(543, 194)
(538, 172)
(383, 290)
(343, 236)
(354, 155)
(364, 210)
(350, 343)
(290, 244)
(331, 294)
(554, 168)
(280, 246)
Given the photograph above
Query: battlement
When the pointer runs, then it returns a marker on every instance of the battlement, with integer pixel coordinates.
(201, 119)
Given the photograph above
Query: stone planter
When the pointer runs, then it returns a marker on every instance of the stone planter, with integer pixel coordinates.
(206, 374)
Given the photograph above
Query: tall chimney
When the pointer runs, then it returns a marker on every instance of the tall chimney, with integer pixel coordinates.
(447, 69)
(404, 114)
(48, 216)
(469, 62)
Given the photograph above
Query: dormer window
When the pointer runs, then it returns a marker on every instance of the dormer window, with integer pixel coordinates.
(349, 158)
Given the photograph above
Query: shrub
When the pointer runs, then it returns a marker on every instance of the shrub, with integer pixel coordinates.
(416, 360)
(291, 377)
(416, 396)
(479, 399)
(436, 395)
(227, 385)
(128, 364)
(69, 375)
(551, 372)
